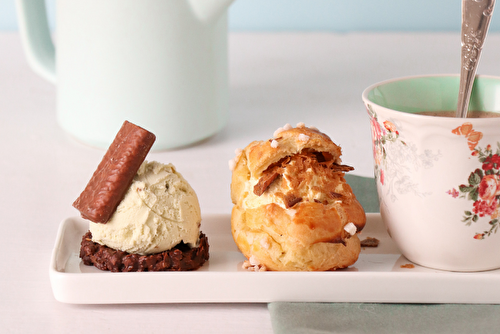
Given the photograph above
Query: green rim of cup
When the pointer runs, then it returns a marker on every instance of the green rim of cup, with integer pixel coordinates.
(433, 93)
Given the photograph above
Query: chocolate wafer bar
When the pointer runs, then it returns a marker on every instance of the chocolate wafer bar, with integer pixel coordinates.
(115, 173)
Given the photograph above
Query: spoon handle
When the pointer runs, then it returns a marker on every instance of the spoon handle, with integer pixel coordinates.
(476, 16)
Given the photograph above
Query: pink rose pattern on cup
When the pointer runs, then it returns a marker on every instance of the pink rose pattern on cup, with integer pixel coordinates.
(483, 187)
(396, 159)
(381, 135)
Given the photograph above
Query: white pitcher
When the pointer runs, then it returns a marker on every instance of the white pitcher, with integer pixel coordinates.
(161, 64)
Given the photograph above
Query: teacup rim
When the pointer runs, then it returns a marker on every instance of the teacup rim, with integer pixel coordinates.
(366, 100)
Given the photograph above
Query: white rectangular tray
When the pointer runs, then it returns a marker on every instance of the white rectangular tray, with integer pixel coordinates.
(378, 276)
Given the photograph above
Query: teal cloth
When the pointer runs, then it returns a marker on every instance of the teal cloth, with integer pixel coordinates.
(315, 318)
(365, 190)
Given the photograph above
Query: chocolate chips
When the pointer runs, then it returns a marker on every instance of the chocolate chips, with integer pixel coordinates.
(265, 181)
(291, 199)
(115, 173)
(179, 258)
(341, 168)
(269, 175)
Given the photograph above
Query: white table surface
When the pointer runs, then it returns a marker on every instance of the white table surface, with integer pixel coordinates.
(278, 78)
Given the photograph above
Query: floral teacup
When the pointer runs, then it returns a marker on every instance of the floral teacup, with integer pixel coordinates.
(438, 178)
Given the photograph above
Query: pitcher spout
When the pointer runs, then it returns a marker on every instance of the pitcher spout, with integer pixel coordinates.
(209, 10)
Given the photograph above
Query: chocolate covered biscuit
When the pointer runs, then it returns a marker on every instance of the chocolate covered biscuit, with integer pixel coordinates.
(180, 258)
(115, 173)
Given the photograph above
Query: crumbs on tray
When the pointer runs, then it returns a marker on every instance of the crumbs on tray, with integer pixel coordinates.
(370, 242)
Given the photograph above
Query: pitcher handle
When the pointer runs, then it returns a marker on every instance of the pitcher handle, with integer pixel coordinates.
(36, 39)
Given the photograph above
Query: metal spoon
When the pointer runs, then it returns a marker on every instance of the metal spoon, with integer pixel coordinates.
(476, 16)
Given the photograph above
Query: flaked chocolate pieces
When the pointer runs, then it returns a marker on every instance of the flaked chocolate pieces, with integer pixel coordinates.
(115, 173)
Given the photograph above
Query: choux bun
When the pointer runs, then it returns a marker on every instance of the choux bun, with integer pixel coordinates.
(293, 210)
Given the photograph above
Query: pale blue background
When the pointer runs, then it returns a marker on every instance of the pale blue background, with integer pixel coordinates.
(322, 15)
